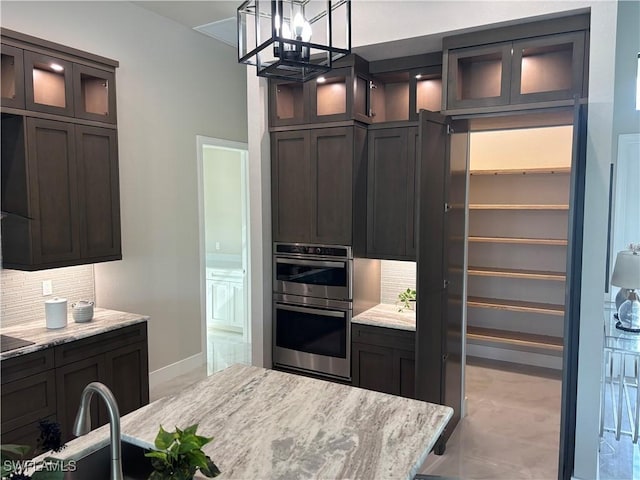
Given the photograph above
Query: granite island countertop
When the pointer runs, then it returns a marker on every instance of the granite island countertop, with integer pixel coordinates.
(388, 316)
(274, 425)
(36, 331)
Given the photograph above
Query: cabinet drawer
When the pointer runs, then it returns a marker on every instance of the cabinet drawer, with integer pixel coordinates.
(96, 344)
(28, 400)
(24, 365)
(384, 337)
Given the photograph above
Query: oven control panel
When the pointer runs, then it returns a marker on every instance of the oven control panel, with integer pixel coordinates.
(321, 250)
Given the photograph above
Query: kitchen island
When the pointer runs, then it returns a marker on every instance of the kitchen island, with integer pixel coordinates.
(274, 425)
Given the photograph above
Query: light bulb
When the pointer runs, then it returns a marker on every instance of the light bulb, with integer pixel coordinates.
(277, 22)
(298, 24)
(56, 68)
(321, 80)
(306, 32)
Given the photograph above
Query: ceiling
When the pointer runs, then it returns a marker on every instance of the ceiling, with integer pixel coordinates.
(216, 19)
(192, 14)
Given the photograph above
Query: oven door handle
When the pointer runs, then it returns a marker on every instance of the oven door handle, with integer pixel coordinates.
(310, 263)
(317, 311)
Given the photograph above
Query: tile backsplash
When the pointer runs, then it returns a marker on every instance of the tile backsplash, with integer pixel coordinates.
(395, 277)
(21, 292)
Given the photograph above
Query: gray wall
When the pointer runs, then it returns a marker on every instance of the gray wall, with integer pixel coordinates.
(172, 85)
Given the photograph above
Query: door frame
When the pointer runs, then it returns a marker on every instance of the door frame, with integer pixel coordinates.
(203, 141)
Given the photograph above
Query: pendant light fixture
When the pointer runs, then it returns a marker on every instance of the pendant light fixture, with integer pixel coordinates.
(293, 39)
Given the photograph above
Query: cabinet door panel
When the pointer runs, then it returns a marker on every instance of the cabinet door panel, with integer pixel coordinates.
(221, 306)
(53, 190)
(387, 195)
(126, 374)
(94, 94)
(97, 153)
(12, 82)
(373, 368)
(405, 369)
(548, 68)
(70, 382)
(28, 399)
(291, 196)
(332, 185)
(27, 434)
(238, 316)
(412, 182)
(48, 84)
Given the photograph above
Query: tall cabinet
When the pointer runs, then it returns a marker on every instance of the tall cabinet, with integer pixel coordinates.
(60, 181)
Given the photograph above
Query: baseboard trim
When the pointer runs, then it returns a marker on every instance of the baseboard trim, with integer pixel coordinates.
(181, 367)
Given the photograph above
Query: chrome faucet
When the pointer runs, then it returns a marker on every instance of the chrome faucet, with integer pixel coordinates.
(82, 425)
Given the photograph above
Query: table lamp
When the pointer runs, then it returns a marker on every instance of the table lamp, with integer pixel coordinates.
(626, 274)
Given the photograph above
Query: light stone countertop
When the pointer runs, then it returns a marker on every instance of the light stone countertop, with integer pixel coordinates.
(388, 316)
(274, 425)
(36, 330)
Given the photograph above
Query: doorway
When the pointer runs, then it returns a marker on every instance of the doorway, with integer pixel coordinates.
(224, 249)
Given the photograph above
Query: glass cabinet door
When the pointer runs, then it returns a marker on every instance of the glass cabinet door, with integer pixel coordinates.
(12, 82)
(94, 94)
(287, 102)
(48, 84)
(548, 68)
(479, 76)
(331, 96)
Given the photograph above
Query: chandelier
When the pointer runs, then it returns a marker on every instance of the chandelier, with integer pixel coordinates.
(293, 39)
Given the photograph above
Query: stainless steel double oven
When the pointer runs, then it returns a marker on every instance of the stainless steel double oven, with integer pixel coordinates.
(312, 308)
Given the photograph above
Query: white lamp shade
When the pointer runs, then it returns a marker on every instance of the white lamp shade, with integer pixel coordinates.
(626, 273)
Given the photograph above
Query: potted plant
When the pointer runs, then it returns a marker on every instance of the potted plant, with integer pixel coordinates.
(407, 299)
(179, 455)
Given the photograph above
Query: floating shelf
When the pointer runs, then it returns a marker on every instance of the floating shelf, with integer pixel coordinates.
(515, 273)
(502, 206)
(516, 306)
(524, 241)
(522, 171)
(515, 340)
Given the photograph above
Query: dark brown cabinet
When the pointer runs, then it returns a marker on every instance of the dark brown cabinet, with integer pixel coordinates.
(391, 193)
(48, 384)
(48, 84)
(536, 63)
(60, 185)
(12, 82)
(94, 94)
(341, 94)
(383, 360)
(62, 191)
(317, 185)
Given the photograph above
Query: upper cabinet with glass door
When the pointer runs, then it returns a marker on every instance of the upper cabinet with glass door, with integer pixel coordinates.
(12, 82)
(340, 94)
(56, 80)
(532, 63)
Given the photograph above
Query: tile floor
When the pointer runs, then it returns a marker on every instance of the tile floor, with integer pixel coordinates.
(511, 429)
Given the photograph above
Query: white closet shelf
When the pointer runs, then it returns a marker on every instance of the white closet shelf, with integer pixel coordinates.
(522, 171)
(526, 241)
(510, 206)
(516, 306)
(515, 273)
(515, 340)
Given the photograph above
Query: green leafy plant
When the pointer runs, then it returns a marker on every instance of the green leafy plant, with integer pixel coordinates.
(405, 298)
(179, 455)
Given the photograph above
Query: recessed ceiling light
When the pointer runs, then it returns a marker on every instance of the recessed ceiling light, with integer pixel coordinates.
(321, 80)
(56, 68)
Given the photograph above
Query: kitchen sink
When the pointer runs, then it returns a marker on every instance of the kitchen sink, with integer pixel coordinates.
(97, 465)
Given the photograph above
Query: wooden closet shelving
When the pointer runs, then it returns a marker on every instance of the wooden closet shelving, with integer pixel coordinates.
(523, 241)
(544, 344)
(516, 305)
(515, 273)
(500, 206)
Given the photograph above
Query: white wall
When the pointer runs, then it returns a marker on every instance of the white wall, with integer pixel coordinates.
(172, 84)
(222, 174)
(383, 21)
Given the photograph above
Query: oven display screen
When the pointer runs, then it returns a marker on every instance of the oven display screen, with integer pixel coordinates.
(312, 333)
(312, 274)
